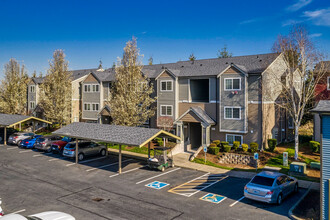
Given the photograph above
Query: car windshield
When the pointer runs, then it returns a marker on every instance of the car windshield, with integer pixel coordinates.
(66, 139)
(71, 146)
(32, 218)
(41, 139)
(264, 181)
(26, 134)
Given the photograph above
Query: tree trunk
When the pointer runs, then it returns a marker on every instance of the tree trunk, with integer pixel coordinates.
(296, 142)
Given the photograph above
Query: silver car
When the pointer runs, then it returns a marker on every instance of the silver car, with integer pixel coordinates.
(18, 137)
(270, 187)
(86, 148)
(52, 215)
(44, 143)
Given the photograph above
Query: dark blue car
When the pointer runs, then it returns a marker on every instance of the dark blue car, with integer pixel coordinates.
(29, 142)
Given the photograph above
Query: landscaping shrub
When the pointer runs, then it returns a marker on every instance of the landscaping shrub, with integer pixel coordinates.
(213, 150)
(305, 138)
(291, 152)
(223, 143)
(217, 142)
(245, 147)
(315, 146)
(236, 145)
(227, 148)
(213, 145)
(254, 147)
(272, 144)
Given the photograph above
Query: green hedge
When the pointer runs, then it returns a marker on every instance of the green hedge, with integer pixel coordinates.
(245, 147)
(236, 145)
(315, 146)
(272, 143)
(227, 148)
(213, 150)
(223, 143)
(213, 145)
(254, 147)
(305, 138)
(217, 142)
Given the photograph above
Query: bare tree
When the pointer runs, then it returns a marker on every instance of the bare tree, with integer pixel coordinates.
(56, 90)
(165, 123)
(13, 89)
(298, 82)
(130, 98)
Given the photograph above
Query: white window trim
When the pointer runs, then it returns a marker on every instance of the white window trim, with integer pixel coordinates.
(32, 86)
(160, 113)
(234, 138)
(328, 82)
(166, 86)
(34, 104)
(91, 88)
(290, 127)
(224, 112)
(91, 106)
(240, 84)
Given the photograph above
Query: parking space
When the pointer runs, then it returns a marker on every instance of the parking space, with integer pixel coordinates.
(177, 191)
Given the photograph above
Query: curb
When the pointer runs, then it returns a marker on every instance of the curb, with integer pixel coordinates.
(290, 213)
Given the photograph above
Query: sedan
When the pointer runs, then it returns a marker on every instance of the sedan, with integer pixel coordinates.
(86, 148)
(29, 142)
(44, 143)
(18, 137)
(270, 187)
(40, 216)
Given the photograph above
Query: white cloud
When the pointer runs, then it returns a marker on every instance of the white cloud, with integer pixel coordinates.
(319, 17)
(315, 35)
(291, 22)
(249, 21)
(298, 5)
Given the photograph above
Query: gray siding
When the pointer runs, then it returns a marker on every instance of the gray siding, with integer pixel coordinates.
(317, 128)
(166, 97)
(254, 88)
(325, 169)
(213, 89)
(90, 97)
(183, 90)
(31, 97)
(106, 90)
(227, 98)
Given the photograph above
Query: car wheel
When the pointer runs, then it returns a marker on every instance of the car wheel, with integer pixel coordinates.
(163, 169)
(279, 199)
(296, 188)
(102, 152)
(49, 150)
(19, 143)
(80, 156)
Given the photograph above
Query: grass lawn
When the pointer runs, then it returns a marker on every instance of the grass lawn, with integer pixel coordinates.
(140, 150)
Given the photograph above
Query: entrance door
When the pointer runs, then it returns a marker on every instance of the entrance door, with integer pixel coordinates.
(195, 135)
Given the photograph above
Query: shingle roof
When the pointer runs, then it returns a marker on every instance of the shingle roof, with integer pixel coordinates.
(6, 119)
(132, 136)
(200, 113)
(322, 107)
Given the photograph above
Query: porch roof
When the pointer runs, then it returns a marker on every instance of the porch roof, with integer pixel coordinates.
(200, 113)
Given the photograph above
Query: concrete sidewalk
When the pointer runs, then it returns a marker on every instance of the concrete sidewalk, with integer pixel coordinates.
(182, 160)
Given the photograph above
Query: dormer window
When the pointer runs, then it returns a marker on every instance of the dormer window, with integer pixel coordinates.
(32, 89)
(233, 84)
(166, 85)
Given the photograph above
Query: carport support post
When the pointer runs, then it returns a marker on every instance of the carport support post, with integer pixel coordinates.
(34, 126)
(5, 137)
(149, 150)
(119, 171)
(77, 150)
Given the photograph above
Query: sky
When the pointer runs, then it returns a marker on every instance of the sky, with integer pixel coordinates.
(168, 31)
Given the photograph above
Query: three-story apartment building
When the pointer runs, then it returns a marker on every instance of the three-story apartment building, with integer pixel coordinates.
(227, 99)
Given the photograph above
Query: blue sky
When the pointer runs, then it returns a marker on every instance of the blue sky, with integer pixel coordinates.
(166, 30)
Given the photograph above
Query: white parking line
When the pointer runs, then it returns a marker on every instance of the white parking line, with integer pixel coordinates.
(53, 159)
(25, 151)
(236, 202)
(23, 210)
(127, 171)
(37, 155)
(85, 161)
(108, 165)
(158, 175)
(10, 148)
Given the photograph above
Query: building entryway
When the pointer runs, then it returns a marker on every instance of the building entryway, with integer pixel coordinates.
(192, 136)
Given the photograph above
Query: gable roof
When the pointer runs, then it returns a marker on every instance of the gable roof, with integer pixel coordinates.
(322, 107)
(11, 120)
(200, 113)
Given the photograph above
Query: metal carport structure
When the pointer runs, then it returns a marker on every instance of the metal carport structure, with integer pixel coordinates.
(8, 120)
(114, 134)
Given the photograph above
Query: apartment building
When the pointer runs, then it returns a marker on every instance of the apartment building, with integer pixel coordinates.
(227, 99)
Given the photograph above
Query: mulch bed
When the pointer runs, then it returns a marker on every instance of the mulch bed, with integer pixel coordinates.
(309, 207)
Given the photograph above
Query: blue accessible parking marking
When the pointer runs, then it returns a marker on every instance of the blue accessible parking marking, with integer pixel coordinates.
(157, 185)
(214, 198)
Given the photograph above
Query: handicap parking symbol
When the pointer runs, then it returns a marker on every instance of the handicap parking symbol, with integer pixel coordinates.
(214, 198)
(157, 185)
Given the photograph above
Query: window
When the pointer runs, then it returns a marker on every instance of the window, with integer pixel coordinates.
(92, 88)
(233, 84)
(290, 122)
(32, 105)
(87, 107)
(91, 106)
(230, 138)
(199, 90)
(166, 85)
(232, 113)
(95, 107)
(95, 88)
(328, 82)
(32, 89)
(87, 88)
(166, 110)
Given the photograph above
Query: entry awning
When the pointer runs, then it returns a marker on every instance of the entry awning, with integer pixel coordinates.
(8, 120)
(115, 134)
(196, 114)
(323, 107)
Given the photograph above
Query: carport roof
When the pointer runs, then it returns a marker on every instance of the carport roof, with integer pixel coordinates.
(9, 120)
(116, 134)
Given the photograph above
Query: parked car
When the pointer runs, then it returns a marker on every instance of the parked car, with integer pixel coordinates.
(44, 143)
(40, 216)
(29, 142)
(58, 146)
(270, 187)
(18, 137)
(9, 131)
(86, 148)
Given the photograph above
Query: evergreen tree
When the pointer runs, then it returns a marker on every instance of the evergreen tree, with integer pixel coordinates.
(192, 57)
(223, 53)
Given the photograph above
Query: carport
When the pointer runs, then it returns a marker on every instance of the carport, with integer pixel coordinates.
(113, 134)
(8, 121)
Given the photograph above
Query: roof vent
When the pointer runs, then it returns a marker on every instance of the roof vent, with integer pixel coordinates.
(182, 66)
(231, 63)
(257, 56)
(226, 62)
(260, 60)
(201, 65)
(162, 67)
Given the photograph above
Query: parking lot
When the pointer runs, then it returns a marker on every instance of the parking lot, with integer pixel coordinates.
(32, 182)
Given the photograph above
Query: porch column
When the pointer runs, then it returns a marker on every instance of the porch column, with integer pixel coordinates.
(119, 163)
